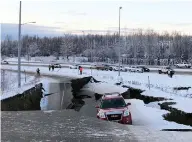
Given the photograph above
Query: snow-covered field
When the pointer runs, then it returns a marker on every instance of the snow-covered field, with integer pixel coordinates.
(160, 85)
(48, 59)
(9, 87)
(151, 116)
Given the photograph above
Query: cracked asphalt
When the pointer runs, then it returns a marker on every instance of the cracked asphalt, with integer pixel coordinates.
(64, 125)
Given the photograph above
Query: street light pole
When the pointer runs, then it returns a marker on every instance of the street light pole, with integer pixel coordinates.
(19, 49)
(19, 46)
(119, 40)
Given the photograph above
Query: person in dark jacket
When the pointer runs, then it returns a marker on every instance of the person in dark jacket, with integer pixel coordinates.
(52, 67)
(38, 71)
(49, 67)
(170, 73)
(81, 70)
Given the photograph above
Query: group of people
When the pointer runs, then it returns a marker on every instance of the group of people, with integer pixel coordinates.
(51, 67)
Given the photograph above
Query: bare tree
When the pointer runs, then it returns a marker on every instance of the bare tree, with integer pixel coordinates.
(66, 45)
(33, 49)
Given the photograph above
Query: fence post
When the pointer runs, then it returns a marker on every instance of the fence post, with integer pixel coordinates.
(25, 75)
(3, 80)
(149, 82)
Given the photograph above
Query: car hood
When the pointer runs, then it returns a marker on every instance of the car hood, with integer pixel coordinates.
(113, 110)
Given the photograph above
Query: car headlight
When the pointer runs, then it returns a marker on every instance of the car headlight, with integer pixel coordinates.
(126, 113)
(101, 114)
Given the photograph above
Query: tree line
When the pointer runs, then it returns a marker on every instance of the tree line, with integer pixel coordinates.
(136, 47)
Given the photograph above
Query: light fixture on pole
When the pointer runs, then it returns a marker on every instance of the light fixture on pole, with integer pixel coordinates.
(27, 23)
(119, 40)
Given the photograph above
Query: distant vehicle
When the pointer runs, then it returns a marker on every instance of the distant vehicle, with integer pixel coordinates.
(135, 69)
(166, 70)
(104, 67)
(145, 69)
(123, 69)
(183, 65)
(114, 108)
(4, 62)
(56, 65)
(73, 66)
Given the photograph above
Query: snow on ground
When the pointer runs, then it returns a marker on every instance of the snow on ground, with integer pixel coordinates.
(102, 88)
(148, 115)
(64, 72)
(11, 88)
(175, 69)
(143, 115)
(9, 85)
(48, 59)
(160, 85)
(162, 81)
(182, 103)
(146, 134)
(15, 59)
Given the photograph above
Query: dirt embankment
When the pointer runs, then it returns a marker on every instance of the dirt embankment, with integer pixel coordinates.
(28, 100)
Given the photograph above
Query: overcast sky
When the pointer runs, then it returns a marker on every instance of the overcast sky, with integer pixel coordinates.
(74, 16)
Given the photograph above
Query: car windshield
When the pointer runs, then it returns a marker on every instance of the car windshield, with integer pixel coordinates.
(113, 103)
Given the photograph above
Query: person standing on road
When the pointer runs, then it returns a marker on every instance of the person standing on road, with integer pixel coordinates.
(52, 67)
(171, 74)
(81, 70)
(49, 67)
(38, 72)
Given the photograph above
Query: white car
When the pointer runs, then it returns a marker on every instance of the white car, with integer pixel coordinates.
(73, 66)
(183, 65)
(123, 69)
(4, 62)
(165, 70)
(135, 69)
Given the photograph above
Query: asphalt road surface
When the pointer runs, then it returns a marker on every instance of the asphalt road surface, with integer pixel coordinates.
(152, 69)
(65, 125)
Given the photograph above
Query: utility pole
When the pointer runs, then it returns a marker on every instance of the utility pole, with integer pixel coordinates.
(119, 40)
(19, 49)
(2, 80)
(93, 47)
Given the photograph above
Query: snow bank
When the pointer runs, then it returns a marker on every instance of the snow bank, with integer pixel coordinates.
(102, 88)
(151, 116)
(24, 86)
(182, 103)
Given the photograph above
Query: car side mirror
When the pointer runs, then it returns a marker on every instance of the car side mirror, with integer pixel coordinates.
(128, 104)
(96, 106)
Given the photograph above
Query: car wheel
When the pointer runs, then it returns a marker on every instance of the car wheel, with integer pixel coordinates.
(160, 71)
(130, 123)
